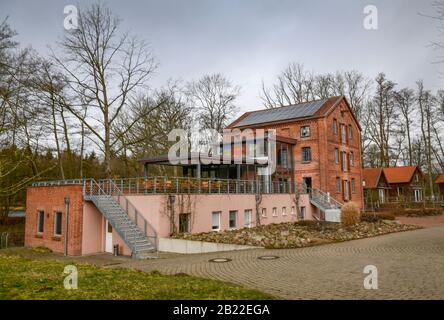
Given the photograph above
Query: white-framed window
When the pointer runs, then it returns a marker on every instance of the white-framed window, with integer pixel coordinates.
(343, 133)
(264, 212)
(335, 126)
(338, 185)
(215, 221)
(247, 218)
(344, 161)
(381, 195)
(284, 211)
(57, 223)
(232, 219)
(351, 158)
(40, 221)
(302, 213)
(346, 190)
(418, 195)
(305, 131)
(293, 210)
(336, 155)
(274, 212)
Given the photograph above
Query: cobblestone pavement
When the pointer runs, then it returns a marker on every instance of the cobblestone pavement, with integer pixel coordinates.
(410, 266)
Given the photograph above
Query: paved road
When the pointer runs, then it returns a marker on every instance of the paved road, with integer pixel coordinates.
(410, 266)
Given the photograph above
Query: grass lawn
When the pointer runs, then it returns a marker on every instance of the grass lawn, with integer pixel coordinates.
(22, 278)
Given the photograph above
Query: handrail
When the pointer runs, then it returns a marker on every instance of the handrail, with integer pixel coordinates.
(325, 197)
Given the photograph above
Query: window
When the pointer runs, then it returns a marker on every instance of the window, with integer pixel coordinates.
(306, 154)
(305, 131)
(57, 223)
(40, 221)
(264, 212)
(184, 222)
(335, 126)
(343, 134)
(353, 185)
(293, 210)
(283, 158)
(274, 212)
(232, 219)
(336, 155)
(350, 133)
(302, 214)
(416, 178)
(351, 159)
(338, 185)
(418, 195)
(400, 191)
(215, 221)
(346, 191)
(284, 211)
(344, 161)
(247, 218)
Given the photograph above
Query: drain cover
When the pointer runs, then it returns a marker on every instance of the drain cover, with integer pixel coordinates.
(268, 257)
(219, 260)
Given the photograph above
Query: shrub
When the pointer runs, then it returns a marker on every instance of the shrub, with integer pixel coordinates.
(349, 214)
(377, 216)
(422, 212)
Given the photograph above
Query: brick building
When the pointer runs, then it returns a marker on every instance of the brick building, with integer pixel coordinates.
(327, 154)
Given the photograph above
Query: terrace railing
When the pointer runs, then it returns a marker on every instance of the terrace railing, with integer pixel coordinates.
(167, 185)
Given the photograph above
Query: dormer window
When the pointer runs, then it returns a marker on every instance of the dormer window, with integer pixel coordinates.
(305, 131)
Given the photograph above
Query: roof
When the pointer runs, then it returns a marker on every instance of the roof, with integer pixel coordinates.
(400, 174)
(371, 177)
(304, 110)
(440, 179)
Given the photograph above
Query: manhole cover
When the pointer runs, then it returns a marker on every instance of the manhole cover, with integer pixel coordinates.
(219, 260)
(268, 257)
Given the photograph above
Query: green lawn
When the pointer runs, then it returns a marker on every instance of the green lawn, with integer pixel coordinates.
(22, 278)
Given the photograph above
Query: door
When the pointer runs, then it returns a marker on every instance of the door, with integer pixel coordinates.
(109, 238)
(307, 183)
(247, 218)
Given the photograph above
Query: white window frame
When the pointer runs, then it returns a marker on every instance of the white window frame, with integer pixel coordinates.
(305, 133)
(274, 210)
(55, 223)
(212, 215)
(235, 219)
(335, 126)
(417, 194)
(248, 213)
(264, 212)
(343, 133)
(344, 161)
(336, 155)
(351, 159)
(346, 190)
(284, 211)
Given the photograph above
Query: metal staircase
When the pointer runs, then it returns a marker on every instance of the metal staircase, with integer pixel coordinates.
(325, 203)
(131, 226)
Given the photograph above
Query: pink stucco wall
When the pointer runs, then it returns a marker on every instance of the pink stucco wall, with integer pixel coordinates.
(154, 209)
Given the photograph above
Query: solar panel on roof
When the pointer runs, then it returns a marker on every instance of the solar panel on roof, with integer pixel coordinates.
(306, 109)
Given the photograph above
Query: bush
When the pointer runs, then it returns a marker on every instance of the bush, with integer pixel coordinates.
(377, 216)
(422, 212)
(350, 214)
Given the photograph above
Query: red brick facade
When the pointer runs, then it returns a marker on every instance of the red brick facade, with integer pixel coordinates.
(323, 140)
(54, 202)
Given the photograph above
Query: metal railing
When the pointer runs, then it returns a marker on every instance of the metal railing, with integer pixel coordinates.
(324, 199)
(108, 187)
(168, 185)
(177, 185)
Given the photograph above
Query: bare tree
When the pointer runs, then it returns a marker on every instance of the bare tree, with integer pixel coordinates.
(405, 104)
(105, 68)
(214, 98)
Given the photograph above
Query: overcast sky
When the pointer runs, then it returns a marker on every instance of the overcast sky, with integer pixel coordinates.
(252, 40)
